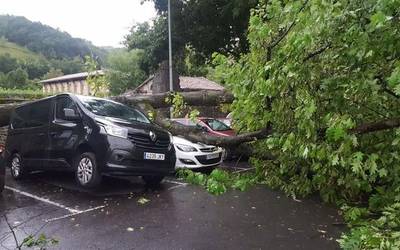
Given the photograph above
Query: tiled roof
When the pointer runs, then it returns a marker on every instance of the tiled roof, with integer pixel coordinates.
(200, 83)
(77, 76)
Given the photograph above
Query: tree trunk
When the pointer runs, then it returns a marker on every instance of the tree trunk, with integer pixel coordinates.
(196, 98)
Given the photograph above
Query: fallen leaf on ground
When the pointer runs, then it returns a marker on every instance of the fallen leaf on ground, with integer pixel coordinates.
(143, 201)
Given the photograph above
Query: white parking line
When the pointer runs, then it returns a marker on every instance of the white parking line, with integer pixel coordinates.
(73, 214)
(176, 182)
(71, 210)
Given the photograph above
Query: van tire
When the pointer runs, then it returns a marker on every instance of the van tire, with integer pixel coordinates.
(152, 181)
(87, 173)
(18, 170)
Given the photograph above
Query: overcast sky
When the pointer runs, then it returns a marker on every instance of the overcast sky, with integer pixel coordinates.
(103, 22)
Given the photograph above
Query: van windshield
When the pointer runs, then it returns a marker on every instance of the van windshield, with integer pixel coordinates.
(112, 109)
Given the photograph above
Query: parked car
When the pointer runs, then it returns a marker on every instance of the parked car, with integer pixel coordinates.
(196, 155)
(89, 136)
(210, 125)
(2, 168)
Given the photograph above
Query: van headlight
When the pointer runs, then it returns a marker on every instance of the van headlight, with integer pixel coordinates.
(186, 148)
(113, 130)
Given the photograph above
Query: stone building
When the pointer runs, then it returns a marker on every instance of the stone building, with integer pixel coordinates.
(159, 83)
(74, 83)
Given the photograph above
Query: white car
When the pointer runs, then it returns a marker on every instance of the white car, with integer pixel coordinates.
(196, 155)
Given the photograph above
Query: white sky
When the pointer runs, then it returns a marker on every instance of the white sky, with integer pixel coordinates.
(103, 22)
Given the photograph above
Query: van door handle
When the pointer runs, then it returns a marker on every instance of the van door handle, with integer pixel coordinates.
(65, 124)
(53, 134)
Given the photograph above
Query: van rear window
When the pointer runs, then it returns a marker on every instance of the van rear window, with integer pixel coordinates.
(31, 115)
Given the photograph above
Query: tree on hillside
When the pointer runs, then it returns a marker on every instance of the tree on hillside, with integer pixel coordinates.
(44, 39)
(123, 70)
(7, 63)
(17, 78)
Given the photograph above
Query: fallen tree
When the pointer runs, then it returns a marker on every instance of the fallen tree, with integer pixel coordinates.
(195, 98)
(149, 103)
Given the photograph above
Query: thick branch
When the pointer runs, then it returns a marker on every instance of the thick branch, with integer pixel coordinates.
(196, 135)
(316, 53)
(196, 98)
(376, 126)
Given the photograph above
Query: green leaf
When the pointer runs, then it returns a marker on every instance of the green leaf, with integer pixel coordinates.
(378, 19)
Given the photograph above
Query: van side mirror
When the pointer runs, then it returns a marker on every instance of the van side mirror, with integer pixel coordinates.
(71, 115)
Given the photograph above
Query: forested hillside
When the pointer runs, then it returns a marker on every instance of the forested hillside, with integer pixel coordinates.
(31, 51)
(44, 39)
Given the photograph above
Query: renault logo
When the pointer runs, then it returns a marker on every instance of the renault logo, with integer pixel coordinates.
(153, 136)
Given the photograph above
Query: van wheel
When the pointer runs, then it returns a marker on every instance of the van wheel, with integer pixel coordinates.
(18, 170)
(153, 181)
(87, 173)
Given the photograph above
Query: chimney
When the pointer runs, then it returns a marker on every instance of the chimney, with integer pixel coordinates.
(161, 79)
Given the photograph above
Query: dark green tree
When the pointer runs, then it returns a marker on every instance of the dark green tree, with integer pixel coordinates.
(124, 71)
(7, 63)
(206, 27)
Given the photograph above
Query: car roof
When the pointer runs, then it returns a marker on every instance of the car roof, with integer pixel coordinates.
(44, 99)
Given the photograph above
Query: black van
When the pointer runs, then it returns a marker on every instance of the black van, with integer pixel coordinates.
(90, 136)
(2, 169)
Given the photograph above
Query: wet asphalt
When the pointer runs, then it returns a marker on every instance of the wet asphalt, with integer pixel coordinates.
(124, 214)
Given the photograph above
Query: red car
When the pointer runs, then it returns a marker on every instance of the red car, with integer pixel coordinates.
(210, 125)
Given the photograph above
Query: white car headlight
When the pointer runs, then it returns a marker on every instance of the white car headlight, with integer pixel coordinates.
(171, 140)
(114, 130)
(185, 148)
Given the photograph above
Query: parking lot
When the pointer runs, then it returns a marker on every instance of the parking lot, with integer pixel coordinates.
(124, 214)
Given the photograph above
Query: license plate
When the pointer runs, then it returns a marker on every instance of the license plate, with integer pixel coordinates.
(212, 156)
(154, 156)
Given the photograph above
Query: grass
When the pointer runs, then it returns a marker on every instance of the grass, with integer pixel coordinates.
(18, 52)
(21, 94)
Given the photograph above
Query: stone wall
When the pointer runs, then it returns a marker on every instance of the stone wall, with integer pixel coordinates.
(3, 135)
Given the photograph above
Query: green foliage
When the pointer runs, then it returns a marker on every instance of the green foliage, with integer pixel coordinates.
(21, 94)
(315, 71)
(379, 233)
(194, 37)
(18, 52)
(98, 83)
(153, 40)
(41, 242)
(178, 103)
(68, 66)
(219, 181)
(180, 107)
(13, 56)
(124, 71)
